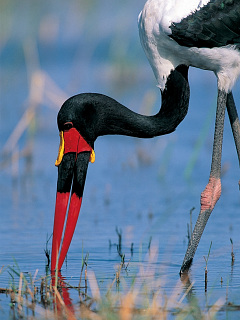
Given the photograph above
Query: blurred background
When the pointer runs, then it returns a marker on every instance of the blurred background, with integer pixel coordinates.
(51, 50)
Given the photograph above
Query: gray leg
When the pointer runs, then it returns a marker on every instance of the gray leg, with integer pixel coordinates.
(234, 120)
(212, 192)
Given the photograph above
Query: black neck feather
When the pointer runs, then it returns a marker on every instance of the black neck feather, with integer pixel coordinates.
(117, 119)
(96, 115)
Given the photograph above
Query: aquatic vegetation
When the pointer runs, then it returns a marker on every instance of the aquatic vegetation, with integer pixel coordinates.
(42, 297)
(206, 270)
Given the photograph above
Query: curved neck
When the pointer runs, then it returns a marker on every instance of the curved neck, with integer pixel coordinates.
(175, 100)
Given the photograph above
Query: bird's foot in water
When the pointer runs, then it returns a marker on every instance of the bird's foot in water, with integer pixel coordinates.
(211, 194)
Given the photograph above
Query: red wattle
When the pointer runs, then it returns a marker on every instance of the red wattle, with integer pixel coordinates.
(74, 142)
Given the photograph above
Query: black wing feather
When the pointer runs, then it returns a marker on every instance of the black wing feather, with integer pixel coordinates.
(216, 24)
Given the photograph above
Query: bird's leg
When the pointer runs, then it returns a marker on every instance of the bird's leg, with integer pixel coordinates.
(235, 124)
(212, 192)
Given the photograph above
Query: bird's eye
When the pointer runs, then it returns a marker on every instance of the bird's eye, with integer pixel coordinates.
(67, 126)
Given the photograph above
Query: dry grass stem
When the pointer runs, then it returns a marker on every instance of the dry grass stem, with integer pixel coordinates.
(68, 312)
(86, 313)
(215, 308)
(94, 286)
(127, 305)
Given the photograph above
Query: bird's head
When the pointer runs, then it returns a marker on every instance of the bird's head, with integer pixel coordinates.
(80, 112)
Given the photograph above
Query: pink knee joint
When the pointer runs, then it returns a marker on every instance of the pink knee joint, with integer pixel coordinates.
(211, 194)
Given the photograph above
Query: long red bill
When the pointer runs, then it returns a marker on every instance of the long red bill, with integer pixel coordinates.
(59, 219)
(72, 170)
(73, 213)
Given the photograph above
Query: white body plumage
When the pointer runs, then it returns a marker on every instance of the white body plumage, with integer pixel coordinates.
(165, 54)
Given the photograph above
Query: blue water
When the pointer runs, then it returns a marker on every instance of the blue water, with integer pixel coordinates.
(138, 186)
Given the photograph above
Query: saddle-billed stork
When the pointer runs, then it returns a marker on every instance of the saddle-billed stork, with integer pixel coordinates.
(175, 34)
